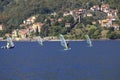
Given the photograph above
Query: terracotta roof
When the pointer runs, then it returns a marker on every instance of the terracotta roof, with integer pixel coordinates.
(23, 31)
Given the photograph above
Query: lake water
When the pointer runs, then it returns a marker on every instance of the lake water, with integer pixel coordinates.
(31, 61)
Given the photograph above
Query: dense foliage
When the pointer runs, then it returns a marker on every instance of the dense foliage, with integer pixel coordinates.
(13, 12)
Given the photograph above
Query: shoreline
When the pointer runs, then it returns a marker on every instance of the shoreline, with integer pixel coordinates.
(33, 40)
(44, 39)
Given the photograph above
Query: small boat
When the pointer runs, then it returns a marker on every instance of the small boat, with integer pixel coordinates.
(89, 42)
(64, 43)
(9, 44)
(40, 40)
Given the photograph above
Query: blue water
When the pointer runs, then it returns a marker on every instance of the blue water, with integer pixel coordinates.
(31, 61)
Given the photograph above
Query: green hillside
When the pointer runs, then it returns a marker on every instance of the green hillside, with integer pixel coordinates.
(13, 12)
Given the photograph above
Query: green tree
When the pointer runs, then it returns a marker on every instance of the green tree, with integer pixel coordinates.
(37, 32)
(69, 19)
(114, 35)
(44, 31)
(87, 20)
(97, 34)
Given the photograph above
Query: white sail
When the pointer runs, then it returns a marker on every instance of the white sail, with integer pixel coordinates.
(10, 42)
(40, 41)
(63, 41)
(88, 41)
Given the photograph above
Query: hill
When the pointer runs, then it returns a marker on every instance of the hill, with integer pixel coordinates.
(14, 12)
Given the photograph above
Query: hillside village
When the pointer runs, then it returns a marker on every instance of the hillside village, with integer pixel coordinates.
(30, 28)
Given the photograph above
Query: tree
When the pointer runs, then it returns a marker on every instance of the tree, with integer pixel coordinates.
(114, 35)
(37, 32)
(56, 30)
(44, 31)
(87, 20)
(104, 33)
(96, 34)
(69, 19)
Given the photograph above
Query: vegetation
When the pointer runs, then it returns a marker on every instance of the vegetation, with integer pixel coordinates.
(14, 12)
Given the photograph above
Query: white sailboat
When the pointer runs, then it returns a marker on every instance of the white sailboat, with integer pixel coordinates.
(89, 42)
(64, 43)
(39, 40)
(9, 44)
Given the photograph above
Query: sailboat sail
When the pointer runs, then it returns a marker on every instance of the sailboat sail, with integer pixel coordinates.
(88, 40)
(40, 41)
(10, 42)
(63, 41)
